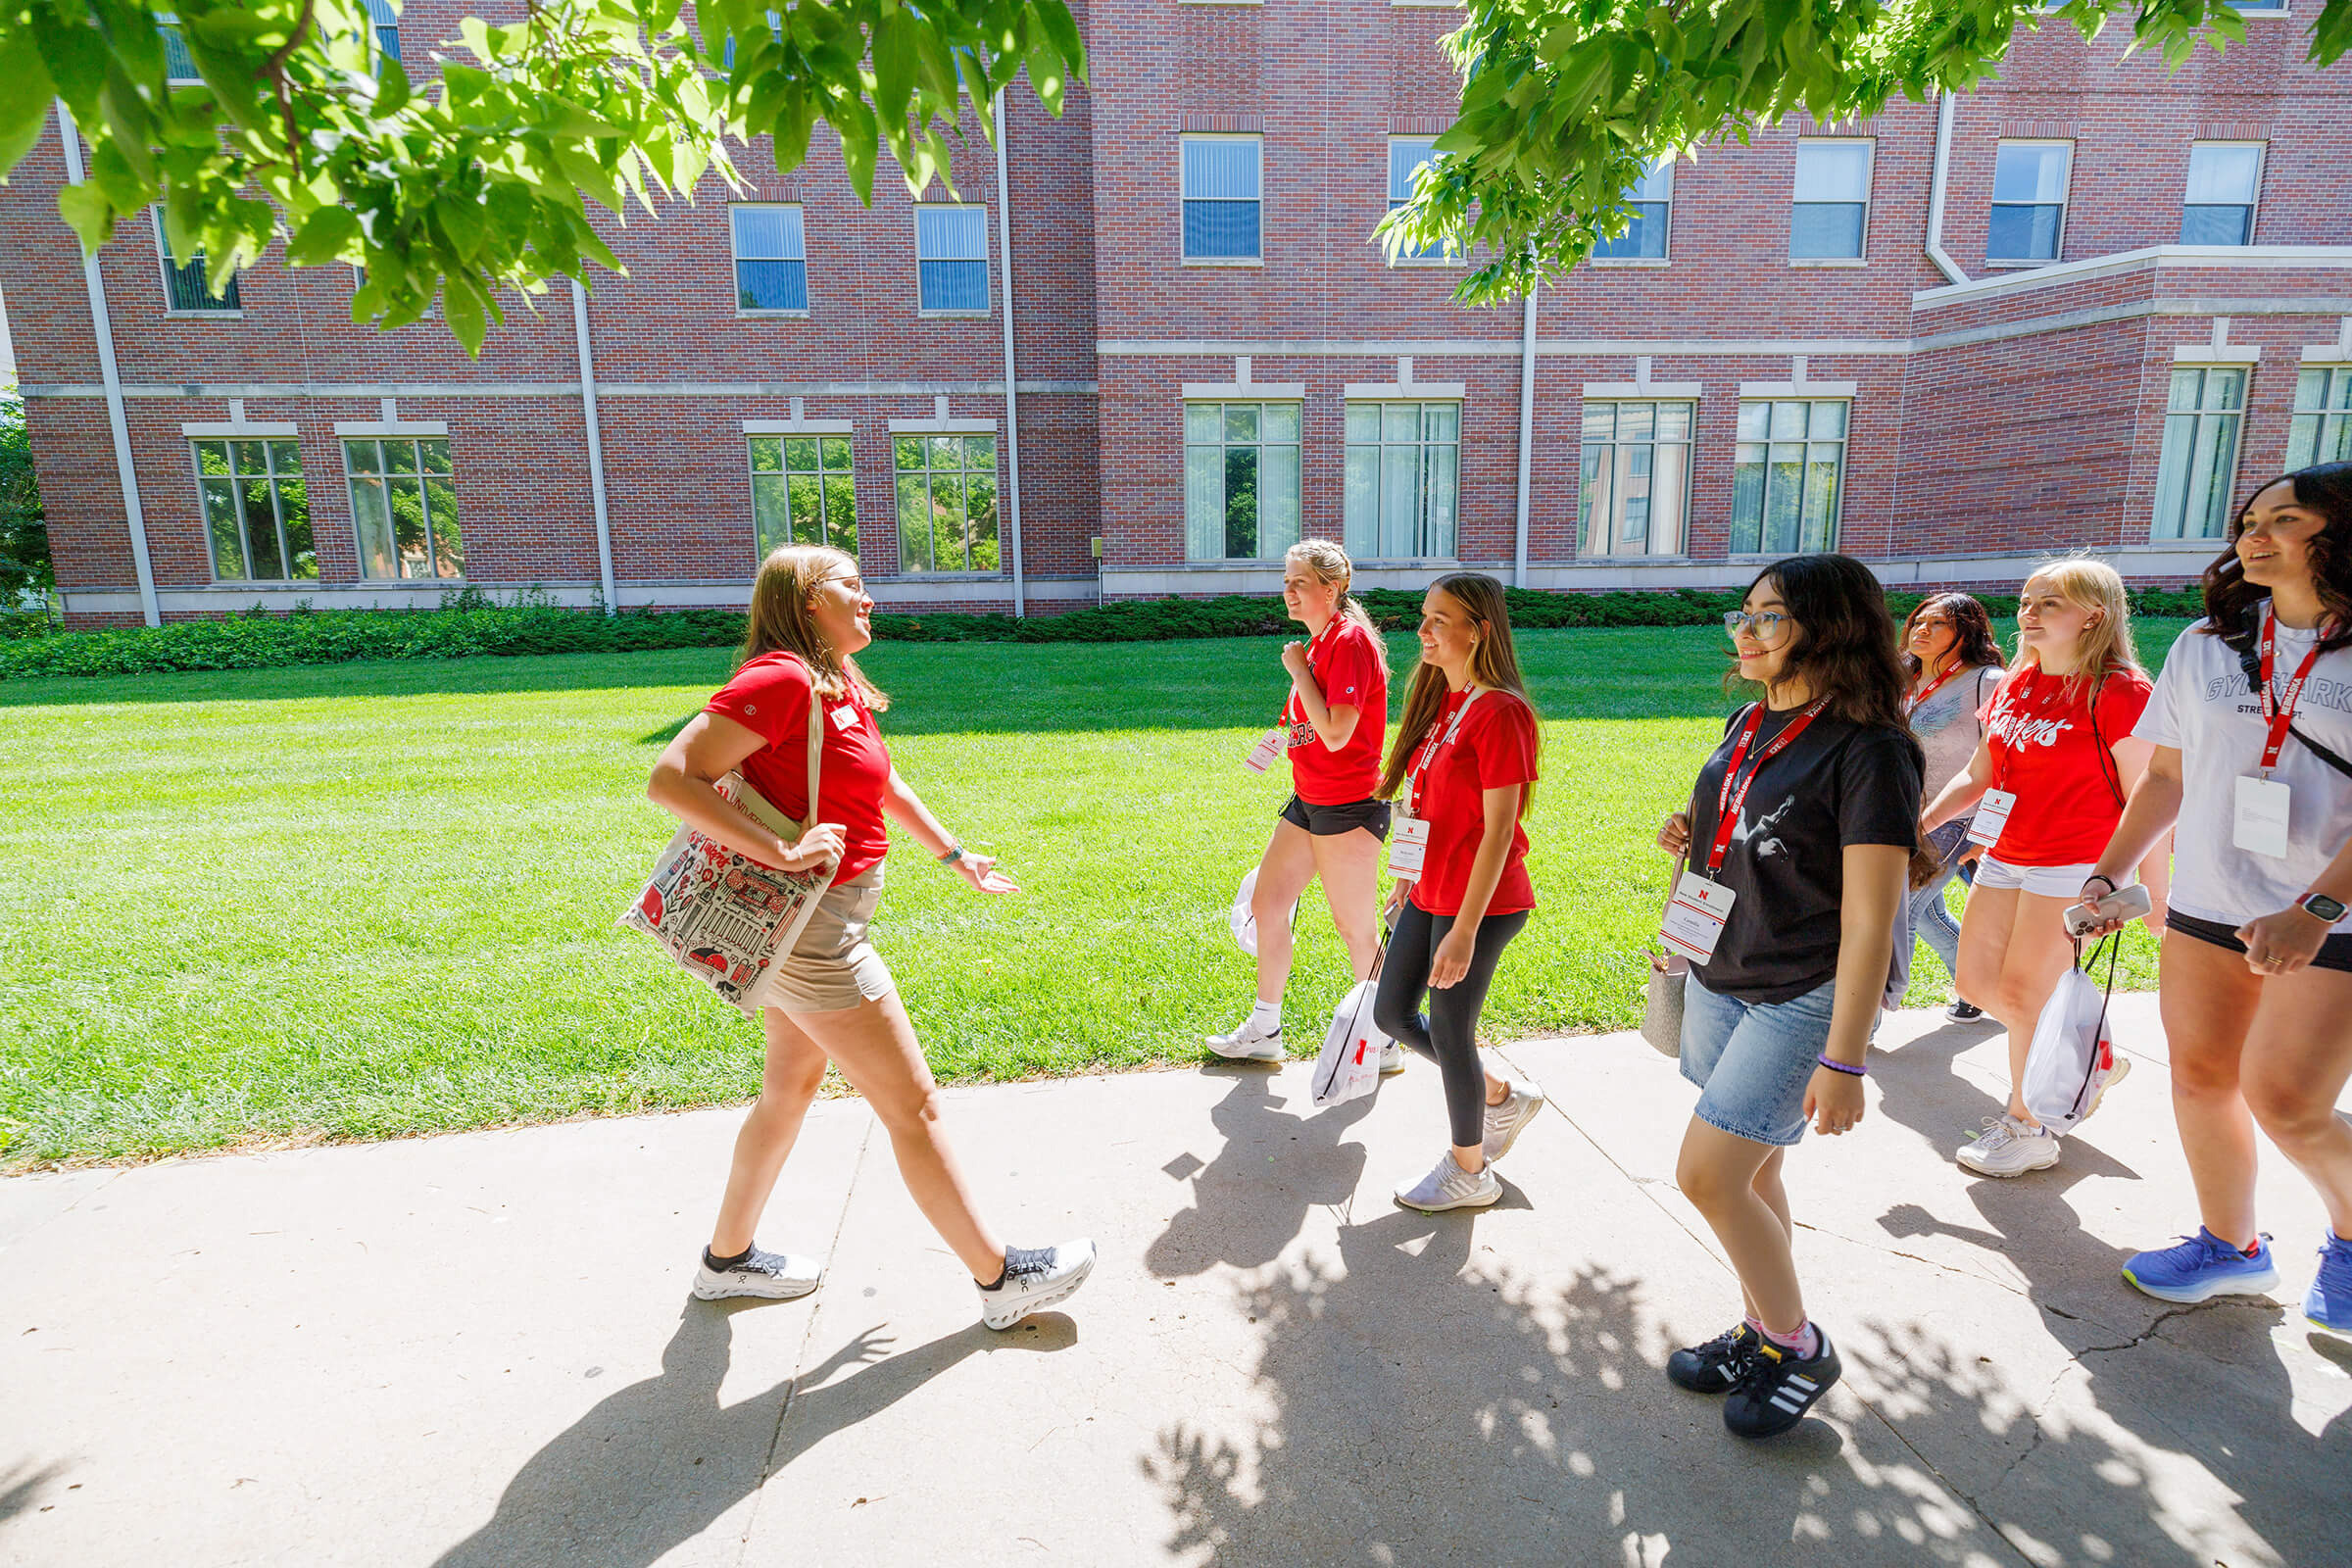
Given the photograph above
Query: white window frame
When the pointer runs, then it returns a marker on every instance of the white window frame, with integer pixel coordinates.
(2311, 423)
(267, 437)
(1261, 399)
(1362, 535)
(2065, 203)
(1258, 142)
(1870, 179)
(1435, 257)
(1657, 166)
(163, 267)
(1810, 398)
(2262, 169)
(2235, 421)
(168, 22)
(736, 259)
(1611, 527)
(988, 277)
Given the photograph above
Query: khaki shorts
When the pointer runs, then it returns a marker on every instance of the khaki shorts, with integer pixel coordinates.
(834, 966)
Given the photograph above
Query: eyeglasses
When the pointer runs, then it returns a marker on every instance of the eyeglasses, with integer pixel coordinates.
(1767, 626)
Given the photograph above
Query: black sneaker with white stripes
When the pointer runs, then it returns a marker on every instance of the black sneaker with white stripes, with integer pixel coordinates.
(1779, 1387)
(1716, 1366)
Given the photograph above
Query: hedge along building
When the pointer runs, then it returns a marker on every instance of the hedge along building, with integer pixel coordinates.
(2079, 308)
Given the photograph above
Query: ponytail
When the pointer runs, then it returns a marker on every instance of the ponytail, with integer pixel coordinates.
(1329, 563)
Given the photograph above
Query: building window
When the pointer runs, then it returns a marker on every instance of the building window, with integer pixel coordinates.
(184, 286)
(2028, 201)
(803, 492)
(1651, 204)
(1241, 480)
(404, 500)
(1404, 467)
(2224, 178)
(385, 24)
(256, 511)
(2199, 459)
(1832, 213)
(179, 67)
(2258, 8)
(1787, 474)
(950, 247)
(772, 259)
(775, 30)
(1634, 479)
(2321, 431)
(1406, 155)
(946, 503)
(1221, 178)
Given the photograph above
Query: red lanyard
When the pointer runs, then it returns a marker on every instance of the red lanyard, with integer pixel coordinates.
(1429, 749)
(1292, 705)
(1913, 705)
(1727, 800)
(2280, 711)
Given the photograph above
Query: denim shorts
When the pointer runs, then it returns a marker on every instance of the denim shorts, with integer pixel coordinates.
(1753, 1060)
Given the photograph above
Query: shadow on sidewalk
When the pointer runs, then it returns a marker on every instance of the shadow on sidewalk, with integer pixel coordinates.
(1253, 1200)
(656, 1463)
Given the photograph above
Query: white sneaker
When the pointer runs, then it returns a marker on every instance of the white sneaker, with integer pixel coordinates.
(776, 1276)
(2008, 1146)
(1504, 1122)
(1252, 1042)
(1449, 1186)
(1392, 1058)
(1036, 1278)
(2122, 1070)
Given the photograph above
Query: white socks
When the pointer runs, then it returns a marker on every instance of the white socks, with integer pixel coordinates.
(1266, 1015)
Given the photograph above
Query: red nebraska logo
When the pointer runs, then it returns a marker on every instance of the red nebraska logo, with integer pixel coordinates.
(650, 905)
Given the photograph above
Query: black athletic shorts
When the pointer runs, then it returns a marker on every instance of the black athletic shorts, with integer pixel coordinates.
(2336, 951)
(1325, 821)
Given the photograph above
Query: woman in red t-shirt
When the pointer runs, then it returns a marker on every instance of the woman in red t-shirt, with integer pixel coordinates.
(2047, 783)
(1330, 827)
(1465, 755)
(833, 999)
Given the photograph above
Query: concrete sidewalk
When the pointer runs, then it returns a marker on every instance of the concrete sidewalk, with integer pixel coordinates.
(479, 1349)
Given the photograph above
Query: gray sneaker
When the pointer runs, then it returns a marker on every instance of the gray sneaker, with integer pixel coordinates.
(1392, 1058)
(776, 1276)
(2008, 1146)
(1449, 1186)
(1034, 1278)
(1252, 1042)
(1505, 1121)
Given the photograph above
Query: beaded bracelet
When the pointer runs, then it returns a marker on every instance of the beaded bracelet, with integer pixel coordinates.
(1839, 1066)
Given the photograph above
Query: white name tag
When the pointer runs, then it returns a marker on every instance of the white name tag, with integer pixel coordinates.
(2261, 825)
(845, 717)
(1694, 917)
(1408, 847)
(1261, 755)
(1993, 814)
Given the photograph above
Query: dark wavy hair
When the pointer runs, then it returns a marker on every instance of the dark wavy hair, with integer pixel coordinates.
(1845, 637)
(1972, 631)
(2229, 599)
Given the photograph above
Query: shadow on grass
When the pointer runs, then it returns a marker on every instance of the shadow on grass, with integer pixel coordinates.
(656, 1463)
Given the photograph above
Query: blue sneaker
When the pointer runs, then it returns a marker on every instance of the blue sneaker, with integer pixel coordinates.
(2328, 1301)
(2203, 1266)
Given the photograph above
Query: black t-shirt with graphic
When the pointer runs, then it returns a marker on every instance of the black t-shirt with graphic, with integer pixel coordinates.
(1838, 783)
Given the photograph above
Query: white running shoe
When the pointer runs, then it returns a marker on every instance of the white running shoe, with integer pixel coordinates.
(2008, 1146)
(1392, 1058)
(776, 1276)
(1036, 1278)
(1449, 1186)
(1504, 1122)
(1252, 1042)
(2122, 1070)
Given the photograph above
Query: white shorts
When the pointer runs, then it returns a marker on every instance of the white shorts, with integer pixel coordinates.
(2047, 881)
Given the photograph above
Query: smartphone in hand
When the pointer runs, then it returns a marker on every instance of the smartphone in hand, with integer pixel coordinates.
(2124, 903)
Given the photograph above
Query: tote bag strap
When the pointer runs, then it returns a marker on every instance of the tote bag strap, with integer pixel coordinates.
(816, 743)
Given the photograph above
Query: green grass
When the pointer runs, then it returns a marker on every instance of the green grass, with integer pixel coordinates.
(369, 899)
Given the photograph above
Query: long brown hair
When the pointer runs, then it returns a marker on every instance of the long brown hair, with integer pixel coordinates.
(1843, 637)
(2229, 599)
(1494, 661)
(780, 619)
(1329, 563)
(1973, 643)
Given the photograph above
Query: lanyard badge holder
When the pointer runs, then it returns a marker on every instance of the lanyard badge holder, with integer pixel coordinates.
(2260, 825)
(1408, 834)
(1996, 805)
(1700, 906)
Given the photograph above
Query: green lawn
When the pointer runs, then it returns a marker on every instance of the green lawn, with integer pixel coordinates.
(368, 900)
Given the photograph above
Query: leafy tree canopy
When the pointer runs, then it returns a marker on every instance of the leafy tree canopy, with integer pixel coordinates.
(1564, 104)
(294, 121)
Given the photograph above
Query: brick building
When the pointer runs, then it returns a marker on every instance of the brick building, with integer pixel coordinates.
(2080, 307)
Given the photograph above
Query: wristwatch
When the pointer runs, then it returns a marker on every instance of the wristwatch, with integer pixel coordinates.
(954, 853)
(2319, 907)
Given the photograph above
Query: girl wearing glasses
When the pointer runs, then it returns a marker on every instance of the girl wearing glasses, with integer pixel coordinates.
(834, 998)
(1955, 667)
(1796, 847)
(2257, 971)
(2048, 784)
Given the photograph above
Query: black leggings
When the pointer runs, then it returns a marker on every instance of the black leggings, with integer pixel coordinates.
(1449, 1035)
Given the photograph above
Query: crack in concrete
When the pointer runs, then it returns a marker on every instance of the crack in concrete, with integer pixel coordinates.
(1931, 1262)
(2164, 1317)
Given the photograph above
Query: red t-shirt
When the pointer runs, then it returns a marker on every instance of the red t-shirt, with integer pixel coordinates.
(1348, 667)
(1496, 746)
(2047, 752)
(770, 695)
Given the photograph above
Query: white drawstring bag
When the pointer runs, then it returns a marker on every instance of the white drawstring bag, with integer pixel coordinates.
(1349, 1067)
(1244, 920)
(2073, 1055)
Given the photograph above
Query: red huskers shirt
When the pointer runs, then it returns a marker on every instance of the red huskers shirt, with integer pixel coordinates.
(770, 696)
(2049, 752)
(1348, 667)
(1495, 747)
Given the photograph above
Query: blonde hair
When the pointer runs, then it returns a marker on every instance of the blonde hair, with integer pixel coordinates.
(1330, 565)
(779, 619)
(1494, 663)
(2106, 647)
